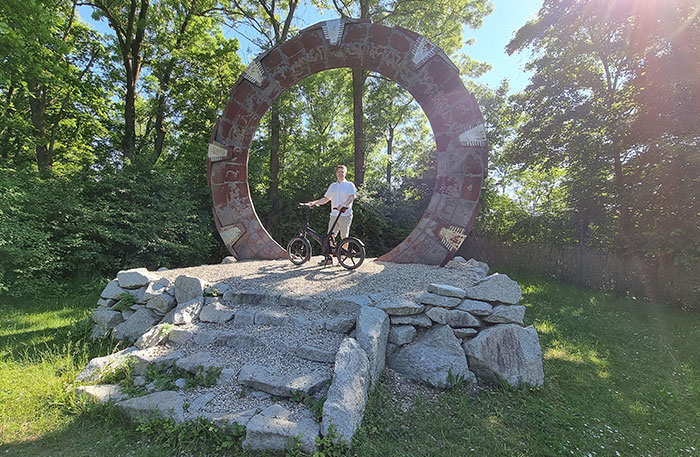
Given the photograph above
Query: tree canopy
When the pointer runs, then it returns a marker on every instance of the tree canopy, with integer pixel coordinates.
(103, 133)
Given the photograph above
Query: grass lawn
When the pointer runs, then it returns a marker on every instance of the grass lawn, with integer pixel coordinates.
(622, 378)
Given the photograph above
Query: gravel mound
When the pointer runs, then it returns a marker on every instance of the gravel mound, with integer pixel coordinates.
(315, 281)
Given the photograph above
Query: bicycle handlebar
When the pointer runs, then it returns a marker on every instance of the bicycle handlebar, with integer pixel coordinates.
(342, 209)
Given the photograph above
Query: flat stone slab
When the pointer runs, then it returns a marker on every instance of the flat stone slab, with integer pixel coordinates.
(188, 288)
(273, 429)
(239, 340)
(180, 335)
(160, 303)
(446, 290)
(400, 306)
(155, 336)
(146, 357)
(112, 291)
(465, 332)
(199, 403)
(267, 317)
(308, 352)
(507, 314)
(496, 288)
(244, 317)
(227, 419)
(135, 278)
(348, 305)
(452, 317)
(106, 317)
(428, 298)
(419, 320)
(100, 365)
(167, 403)
(217, 313)
(196, 363)
(475, 307)
(269, 380)
(185, 312)
(101, 393)
(340, 324)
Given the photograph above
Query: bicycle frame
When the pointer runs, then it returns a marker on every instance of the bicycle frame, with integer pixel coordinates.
(323, 240)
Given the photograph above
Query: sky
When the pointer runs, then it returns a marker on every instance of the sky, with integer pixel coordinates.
(489, 45)
(491, 39)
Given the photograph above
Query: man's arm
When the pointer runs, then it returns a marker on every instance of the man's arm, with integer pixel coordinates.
(347, 202)
(320, 201)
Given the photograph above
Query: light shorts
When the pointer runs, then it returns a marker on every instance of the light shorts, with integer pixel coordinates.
(343, 226)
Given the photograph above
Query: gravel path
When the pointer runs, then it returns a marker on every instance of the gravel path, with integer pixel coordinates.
(312, 280)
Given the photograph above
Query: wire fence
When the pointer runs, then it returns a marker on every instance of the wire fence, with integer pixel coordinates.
(658, 279)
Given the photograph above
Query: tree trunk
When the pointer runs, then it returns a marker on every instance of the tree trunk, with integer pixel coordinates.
(129, 145)
(160, 113)
(389, 150)
(358, 85)
(37, 104)
(272, 219)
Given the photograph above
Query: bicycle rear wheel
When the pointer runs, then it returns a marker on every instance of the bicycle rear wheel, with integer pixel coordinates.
(299, 250)
(350, 252)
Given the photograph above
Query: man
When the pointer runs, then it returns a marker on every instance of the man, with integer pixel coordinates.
(341, 194)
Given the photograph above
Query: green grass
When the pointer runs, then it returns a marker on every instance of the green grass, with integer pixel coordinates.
(621, 376)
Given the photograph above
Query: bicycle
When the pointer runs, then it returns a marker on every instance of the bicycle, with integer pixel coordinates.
(350, 251)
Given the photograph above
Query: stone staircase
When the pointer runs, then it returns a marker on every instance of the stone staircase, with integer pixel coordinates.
(289, 367)
(274, 357)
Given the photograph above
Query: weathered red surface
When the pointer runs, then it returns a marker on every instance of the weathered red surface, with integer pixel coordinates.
(394, 52)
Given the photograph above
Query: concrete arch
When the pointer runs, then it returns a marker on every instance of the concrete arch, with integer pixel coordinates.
(399, 54)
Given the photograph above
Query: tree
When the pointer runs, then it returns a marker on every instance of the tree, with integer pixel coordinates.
(129, 20)
(185, 40)
(579, 103)
(440, 21)
(52, 100)
(273, 21)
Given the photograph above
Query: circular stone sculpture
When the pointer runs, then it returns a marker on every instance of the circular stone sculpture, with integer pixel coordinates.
(399, 54)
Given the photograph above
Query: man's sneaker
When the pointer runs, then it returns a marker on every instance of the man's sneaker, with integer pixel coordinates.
(328, 261)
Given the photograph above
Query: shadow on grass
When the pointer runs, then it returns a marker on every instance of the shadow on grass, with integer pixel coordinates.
(30, 327)
(101, 429)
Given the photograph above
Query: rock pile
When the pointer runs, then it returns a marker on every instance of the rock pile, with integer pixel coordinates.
(276, 359)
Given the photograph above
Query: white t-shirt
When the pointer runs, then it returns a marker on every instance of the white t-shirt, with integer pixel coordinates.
(338, 193)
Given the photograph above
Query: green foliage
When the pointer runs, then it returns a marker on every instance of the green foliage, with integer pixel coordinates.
(165, 329)
(161, 375)
(598, 107)
(331, 445)
(314, 404)
(91, 225)
(454, 380)
(199, 434)
(125, 302)
(120, 373)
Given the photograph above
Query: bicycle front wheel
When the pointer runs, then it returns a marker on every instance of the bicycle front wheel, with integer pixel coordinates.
(350, 252)
(299, 250)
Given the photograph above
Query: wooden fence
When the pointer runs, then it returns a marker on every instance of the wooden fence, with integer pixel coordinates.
(658, 279)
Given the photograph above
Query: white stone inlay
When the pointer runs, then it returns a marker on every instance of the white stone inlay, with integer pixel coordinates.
(217, 151)
(422, 50)
(452, 237)
(333, 30)
(254, 73)
(230, 235)
(475, 136)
